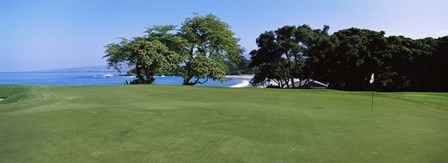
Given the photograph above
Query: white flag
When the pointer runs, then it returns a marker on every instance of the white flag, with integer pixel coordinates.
(372, 78)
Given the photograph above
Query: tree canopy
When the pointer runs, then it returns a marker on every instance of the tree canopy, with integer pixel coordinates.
(209, 43)
(205, 48)
(346, 58)
(281, 54)
(147, 54)
(201, 49)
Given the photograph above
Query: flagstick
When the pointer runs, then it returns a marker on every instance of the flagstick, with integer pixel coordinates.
(373, 87)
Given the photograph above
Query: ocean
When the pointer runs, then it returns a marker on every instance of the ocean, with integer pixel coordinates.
(93, 78)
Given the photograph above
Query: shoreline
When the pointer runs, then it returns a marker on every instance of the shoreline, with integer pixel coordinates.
(243, 76)
(105, 78)
(242, 84)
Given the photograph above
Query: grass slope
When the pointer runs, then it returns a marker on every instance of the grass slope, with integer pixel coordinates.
(200, 124)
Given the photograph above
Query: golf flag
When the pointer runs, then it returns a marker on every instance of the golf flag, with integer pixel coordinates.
(372, 78)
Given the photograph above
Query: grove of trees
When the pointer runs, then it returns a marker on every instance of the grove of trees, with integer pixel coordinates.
(204, 48)
(346, 58)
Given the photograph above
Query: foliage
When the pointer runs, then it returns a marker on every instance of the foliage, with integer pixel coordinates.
(432, 65)
(346, 59)
(399, 63)
(148, 54)
(202, 49)
(204, 68)
(205, 48)
(240, 68)
(357, 54)
(281, 54)
(210, 40)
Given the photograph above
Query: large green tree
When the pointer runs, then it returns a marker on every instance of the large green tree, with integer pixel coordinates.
(209, 43)
(147, 54)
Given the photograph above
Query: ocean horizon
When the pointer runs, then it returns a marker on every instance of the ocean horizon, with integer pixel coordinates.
(95, 79)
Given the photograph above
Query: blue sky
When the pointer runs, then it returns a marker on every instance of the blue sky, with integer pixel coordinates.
(47, 34)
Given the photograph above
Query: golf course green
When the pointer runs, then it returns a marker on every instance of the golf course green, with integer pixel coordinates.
(208, 124)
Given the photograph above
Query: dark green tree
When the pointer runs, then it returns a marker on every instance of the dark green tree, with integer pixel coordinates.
(269, 61)
(318, 64)
(433, 64)
(440, 66)
(241, 68)
(347, 58)
(404, 52)
(357, 53)
(284, 50)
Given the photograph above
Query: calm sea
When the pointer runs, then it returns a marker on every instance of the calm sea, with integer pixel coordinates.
(91, 78)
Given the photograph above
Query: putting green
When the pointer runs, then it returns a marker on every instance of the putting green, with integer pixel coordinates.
(206, 124)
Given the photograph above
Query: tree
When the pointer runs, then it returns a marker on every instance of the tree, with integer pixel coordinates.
(209, 42)
(439, 78)
(357, 53)
(268, 59)
(346, 59)
(318, 64)
(284, 51)
(147, 54)
(404, 52)
(432, 63)
(240, 68)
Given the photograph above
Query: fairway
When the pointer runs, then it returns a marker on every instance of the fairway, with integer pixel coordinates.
(208, 124)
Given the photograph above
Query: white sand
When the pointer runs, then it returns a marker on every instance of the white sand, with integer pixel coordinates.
(245, 76)
(244, 83)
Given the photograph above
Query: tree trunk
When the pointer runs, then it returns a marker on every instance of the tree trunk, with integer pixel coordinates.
(139, 73)
(187, 81)
(149, 76)
(292, 82)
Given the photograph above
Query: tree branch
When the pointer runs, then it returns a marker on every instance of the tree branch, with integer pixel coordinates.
(203, 81)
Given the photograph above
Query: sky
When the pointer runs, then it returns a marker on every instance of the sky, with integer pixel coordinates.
(49, 34)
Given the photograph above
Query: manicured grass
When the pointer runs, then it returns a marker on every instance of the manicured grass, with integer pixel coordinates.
(200, 124)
